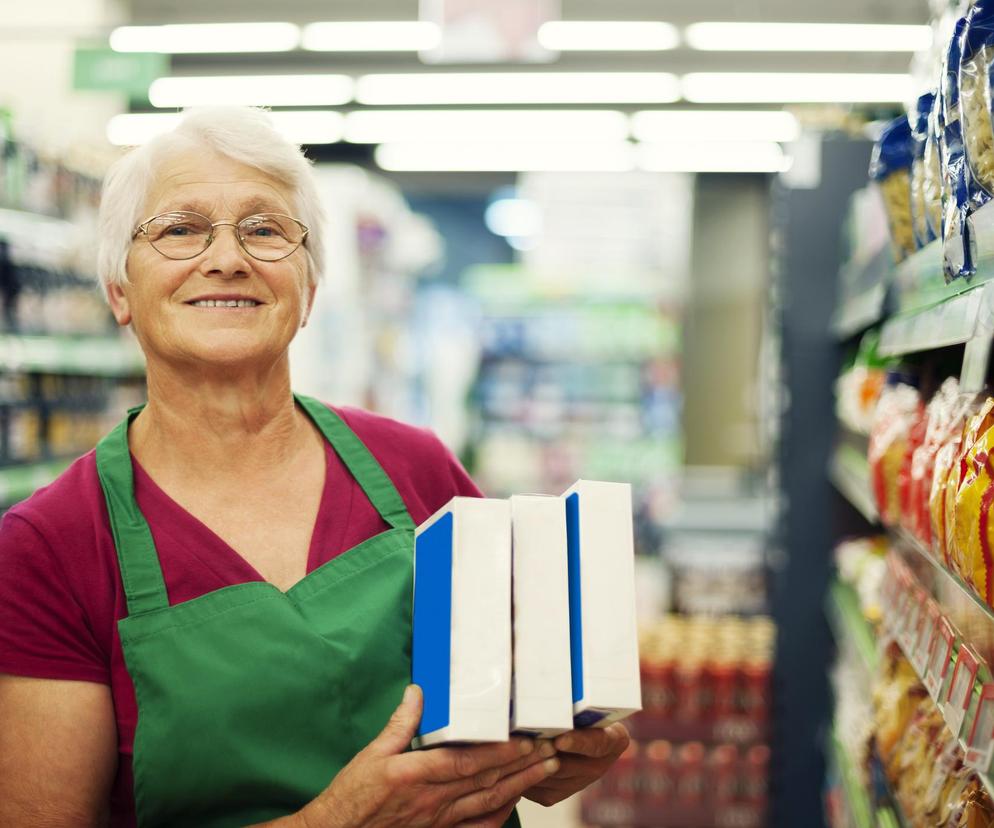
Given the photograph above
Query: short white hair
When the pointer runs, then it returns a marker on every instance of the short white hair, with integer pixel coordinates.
(243, 134)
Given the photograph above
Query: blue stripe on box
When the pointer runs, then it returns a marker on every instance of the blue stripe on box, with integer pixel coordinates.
(432, 642)
(573, 568)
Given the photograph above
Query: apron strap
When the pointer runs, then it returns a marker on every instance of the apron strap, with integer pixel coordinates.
(364, 467)
(144, 586)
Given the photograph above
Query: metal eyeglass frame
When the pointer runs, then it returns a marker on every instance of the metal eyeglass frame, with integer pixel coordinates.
(143, 230)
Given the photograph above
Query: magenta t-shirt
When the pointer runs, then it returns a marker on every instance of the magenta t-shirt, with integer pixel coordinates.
(61, 594)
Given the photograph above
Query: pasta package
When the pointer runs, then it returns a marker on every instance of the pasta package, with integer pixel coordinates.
(956, 253)
(890, 168)
(968, 481)
(975, 111)
(918, 120)
(932, 172)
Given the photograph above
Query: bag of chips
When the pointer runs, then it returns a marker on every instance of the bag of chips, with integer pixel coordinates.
(899, 406)
(956, 255)
(939, 416)
(918, 120)
(970, 550)
(890, 168)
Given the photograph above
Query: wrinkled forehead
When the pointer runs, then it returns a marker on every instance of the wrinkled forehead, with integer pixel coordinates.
(216, 186)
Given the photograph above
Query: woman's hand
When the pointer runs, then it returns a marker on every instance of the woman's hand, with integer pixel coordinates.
(384, 786)
(584, 757)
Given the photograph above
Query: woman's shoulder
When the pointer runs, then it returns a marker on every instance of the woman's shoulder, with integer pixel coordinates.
(68, 505)
(380, 432)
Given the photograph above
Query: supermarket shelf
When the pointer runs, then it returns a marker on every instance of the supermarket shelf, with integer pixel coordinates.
(738, 730)
(850, 472)
(856, 795)
(19, 482)
(953, 321)
(910, 541)
(849, 623)
(91, 355)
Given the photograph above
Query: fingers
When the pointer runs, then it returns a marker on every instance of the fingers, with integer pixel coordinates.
(489, 778)
(403, 725)
(494, 820)
(457, 763)
(496, 798)
(595, 742)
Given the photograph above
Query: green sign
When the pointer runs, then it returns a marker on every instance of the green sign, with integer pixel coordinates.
(104, 70)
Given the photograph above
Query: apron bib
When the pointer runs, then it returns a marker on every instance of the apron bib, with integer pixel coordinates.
(250, 699)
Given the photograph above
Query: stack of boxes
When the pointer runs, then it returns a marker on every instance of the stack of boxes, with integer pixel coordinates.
(524, 615)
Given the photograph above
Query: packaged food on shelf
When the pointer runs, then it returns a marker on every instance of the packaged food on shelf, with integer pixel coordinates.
(919, 122)
(965, 488)
(858, 388)
(943, 416)
(897, 411)
(957, 259)
(975, 109)
(932, 184)
(890, 168)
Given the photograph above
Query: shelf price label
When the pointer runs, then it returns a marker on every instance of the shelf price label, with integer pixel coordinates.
(980, 742)
(960, 693)
(939, 657)
(927, 627)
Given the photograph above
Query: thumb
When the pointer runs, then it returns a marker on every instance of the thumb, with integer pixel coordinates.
(403, 725)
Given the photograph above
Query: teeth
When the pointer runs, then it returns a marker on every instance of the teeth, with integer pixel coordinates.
(225, 303)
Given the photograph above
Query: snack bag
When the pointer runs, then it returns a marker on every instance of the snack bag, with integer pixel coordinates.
(975, 112)
(946, 460)
(956, 255)
(918, 120)
(932, 171)
(896, 411)
(939, 416)
(890, 168)
(965, 489)
(916, 437)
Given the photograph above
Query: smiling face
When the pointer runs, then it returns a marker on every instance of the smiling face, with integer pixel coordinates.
(181, 310)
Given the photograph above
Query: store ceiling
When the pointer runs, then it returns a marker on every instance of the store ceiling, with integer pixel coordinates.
(679, 12)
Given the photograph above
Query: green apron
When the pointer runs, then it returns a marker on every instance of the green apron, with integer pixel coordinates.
(250, 699)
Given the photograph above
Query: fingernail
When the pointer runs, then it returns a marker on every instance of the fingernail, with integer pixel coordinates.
(409, 694)
(547, 749)
(526, 746)
(564, 744)
(551, 766)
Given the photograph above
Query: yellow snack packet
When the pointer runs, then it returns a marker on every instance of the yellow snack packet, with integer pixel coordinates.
(975, 428)
(974, 503)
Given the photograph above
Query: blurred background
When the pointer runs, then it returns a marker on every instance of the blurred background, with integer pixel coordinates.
(622, 240)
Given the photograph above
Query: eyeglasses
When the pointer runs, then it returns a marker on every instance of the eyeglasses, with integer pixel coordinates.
(268, 237)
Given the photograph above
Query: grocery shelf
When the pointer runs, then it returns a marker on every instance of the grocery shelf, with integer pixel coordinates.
(849, 471)
(848, 622)
(953, 321)
(911, 542)
(108, 356)
(19, 482)
(856, 796)
(739, 730)
(857, 313)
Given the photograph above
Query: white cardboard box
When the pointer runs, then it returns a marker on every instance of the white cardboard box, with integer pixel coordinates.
(603, 629)
(461, 651)
(541, 689)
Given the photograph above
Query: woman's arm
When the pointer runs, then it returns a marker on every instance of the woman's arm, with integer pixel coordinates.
(58, 753)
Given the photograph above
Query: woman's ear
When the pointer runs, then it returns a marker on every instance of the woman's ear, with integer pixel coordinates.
(310, 305)
(119, 304)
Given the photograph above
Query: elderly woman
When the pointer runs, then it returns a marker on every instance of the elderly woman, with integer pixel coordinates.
(206, 620)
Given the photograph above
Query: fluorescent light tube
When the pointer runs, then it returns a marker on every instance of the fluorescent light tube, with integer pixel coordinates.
(252, 90)
(298, 127)
(808, 37)
(713, 156)
(435, 156)
(388, 125)
(206, 37)
(794, 87)
(517, 87)
(372, 36)
(608, 36)
(715, 125)
(514, 217)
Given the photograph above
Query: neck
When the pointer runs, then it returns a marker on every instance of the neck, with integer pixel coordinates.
(198, 427)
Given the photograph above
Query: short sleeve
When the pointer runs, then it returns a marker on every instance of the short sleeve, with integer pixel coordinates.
(43, 630)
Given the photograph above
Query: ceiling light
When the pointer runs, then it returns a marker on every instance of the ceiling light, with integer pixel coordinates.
(784, 87)
(298, 127)
(727, 156)
(608, 36)
(808, 37)
(382, 126)
(435, 156)
(373, 36)
(206, 37)
(517, 87)
(252, 90)
(715, 125)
